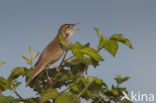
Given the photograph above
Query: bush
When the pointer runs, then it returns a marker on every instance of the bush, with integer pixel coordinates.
(71, 84)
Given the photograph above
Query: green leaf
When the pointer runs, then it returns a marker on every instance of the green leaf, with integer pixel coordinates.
(92, 53)
(62, 40)
(119, 79)
(62, 76)
(35, 55)
(4, 84)
(94, 63)
(1, 63)
(122, 39)
(49, 94)
(15, 84)
(30, 51)
(28, 100)
(111, 46)
(126, 101)
(86, 45)
(100, 82)
(98, 32)
(76, 50)
(7, 99)
(125, 79)
(101, 37)
(64, 99)
(78, 61)
(15, 73)
(26, 58)
(65, 43)
(115, 92)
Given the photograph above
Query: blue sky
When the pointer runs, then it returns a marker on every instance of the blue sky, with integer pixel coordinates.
(35, 23)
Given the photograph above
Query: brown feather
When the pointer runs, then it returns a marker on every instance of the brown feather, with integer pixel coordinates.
(52, 52)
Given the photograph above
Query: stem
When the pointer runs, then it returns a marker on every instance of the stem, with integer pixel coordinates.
(0, 93)
(84, 89)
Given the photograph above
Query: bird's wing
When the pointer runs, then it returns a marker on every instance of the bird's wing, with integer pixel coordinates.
(49, 55)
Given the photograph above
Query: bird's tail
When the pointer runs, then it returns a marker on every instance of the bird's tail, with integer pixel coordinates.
(36, 71)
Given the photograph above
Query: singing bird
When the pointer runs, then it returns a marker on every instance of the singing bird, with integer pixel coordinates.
(53, 51)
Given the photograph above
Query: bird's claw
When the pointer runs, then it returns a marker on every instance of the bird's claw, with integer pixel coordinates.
(50, 81)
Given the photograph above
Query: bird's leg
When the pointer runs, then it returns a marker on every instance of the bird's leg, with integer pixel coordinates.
(49, 78)
(54, 66)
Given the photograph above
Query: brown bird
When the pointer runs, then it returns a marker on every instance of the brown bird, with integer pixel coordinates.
(53, 51)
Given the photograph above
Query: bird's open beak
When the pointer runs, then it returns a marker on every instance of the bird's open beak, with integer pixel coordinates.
(74, 25)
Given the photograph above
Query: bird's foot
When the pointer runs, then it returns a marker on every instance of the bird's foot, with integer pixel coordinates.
(49, 78)
(54, 66)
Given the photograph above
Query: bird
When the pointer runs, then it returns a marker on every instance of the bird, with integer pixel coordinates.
(53, 51)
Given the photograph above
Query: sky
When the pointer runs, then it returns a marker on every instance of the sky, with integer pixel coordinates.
(35, 23)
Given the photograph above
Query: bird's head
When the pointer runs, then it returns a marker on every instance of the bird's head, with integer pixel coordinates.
(66, 30)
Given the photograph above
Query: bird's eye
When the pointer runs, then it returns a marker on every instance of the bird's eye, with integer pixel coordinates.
(68, 26)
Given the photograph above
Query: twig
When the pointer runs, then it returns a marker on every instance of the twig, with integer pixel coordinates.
(16, 93)
(69, 58)
(65, 90)
(63, 59)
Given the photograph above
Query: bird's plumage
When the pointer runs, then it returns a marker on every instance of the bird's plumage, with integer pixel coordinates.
(52, 52)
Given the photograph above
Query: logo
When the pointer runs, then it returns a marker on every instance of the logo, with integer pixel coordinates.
(138, 97)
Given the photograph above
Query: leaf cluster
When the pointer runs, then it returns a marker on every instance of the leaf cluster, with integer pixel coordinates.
(71, 84)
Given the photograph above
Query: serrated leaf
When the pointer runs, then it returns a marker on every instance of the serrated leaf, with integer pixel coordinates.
(114, 92)
(119, 79)
(1, 63)
(111, 46)
(92, 53)
(94, 63)
(86, 45)
(125, 79)
(64, 99)
(35, 55)
(15, 73)
(49, 94)
(30, 51)
(76, 50)
(122, 39)
(26, 58)
(3, 84)
(77, 61)
(100, 82)
(62, 76)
